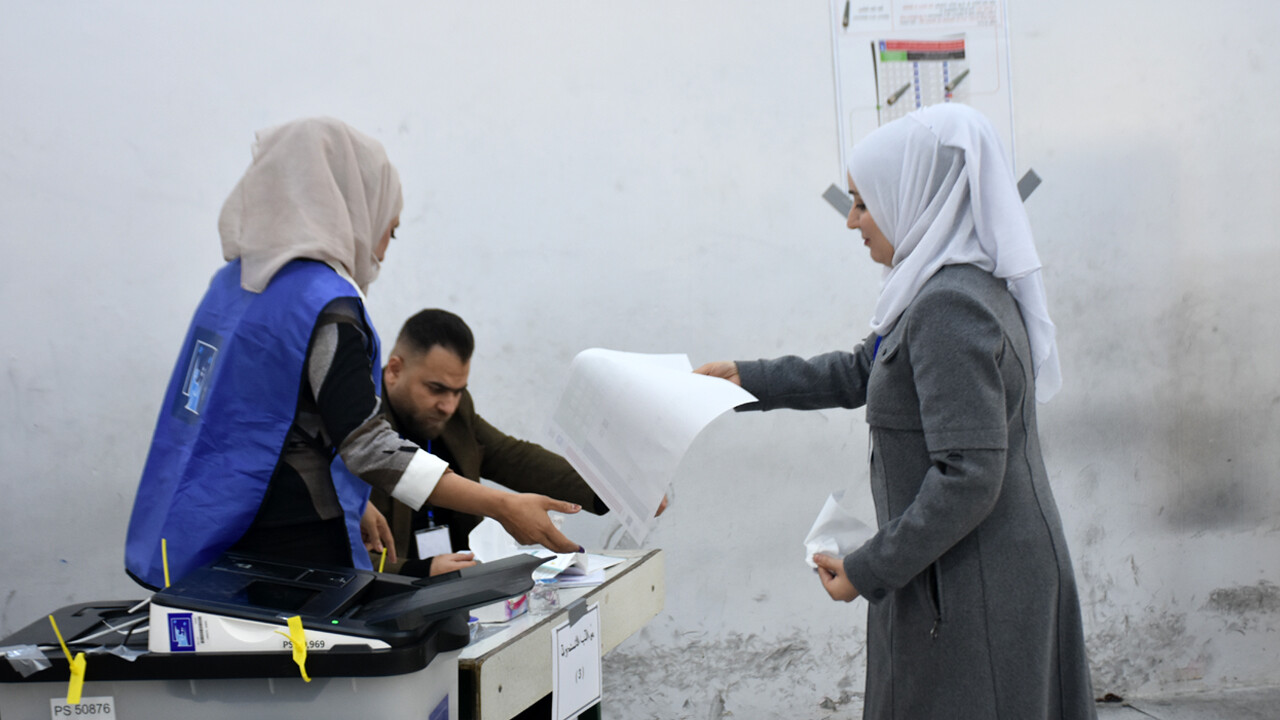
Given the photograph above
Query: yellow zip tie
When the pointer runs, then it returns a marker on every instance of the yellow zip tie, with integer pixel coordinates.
(298, 639)
(383, 562)
(76, 686)
(164, 555)
(77, 666)
(61, 642)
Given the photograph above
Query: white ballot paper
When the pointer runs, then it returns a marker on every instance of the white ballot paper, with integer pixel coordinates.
(489, 541)
(836, 532)
(625, 420)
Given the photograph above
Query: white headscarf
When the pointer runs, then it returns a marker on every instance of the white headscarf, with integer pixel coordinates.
(937, 184)
(316, 189)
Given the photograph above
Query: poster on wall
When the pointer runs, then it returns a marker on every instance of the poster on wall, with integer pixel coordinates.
(894, 56)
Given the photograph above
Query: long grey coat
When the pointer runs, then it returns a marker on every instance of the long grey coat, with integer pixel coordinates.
(973, 606)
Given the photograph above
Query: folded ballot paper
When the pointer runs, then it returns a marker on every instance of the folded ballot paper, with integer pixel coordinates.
(837, 531)
(572, 569)
(490, 541)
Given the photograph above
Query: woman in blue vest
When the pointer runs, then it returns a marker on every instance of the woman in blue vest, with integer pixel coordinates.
(270, 435)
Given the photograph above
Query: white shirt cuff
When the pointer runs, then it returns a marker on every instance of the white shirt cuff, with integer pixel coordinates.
(419, 479)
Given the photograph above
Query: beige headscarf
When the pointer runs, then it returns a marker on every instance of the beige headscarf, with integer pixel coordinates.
(316, 189)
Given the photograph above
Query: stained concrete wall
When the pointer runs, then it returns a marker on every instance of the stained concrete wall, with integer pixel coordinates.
(646, 177)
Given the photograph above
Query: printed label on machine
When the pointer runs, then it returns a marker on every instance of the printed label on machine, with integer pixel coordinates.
(200, 632)
(182, 633)
(88, 707)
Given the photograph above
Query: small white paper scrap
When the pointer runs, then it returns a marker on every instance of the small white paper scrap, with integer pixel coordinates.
(836, 531)
(490, 541)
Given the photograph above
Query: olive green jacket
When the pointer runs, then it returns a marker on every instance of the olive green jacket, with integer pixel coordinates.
(477, 450)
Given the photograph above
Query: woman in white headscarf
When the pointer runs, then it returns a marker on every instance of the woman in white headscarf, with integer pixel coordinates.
(270, 435)
(973, 610)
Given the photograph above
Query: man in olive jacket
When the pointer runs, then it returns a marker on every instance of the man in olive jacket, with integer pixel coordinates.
(425, 397)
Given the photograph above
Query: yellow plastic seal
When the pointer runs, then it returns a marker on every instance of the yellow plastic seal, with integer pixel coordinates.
(164, 556)
(76, 686)
(298, 638)
(77, 666)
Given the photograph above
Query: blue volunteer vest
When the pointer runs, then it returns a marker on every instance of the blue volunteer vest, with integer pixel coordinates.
(229, 406)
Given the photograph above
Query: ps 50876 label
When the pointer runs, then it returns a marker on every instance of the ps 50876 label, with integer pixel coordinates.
(88, 707)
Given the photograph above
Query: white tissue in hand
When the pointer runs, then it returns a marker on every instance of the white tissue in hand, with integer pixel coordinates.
(825, 545)
(836, 531)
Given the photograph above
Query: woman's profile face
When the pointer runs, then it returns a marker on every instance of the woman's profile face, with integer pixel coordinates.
(861, 220)
(380, 250)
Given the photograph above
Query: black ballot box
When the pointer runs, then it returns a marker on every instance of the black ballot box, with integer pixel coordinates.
(414, 681)
(387, 649)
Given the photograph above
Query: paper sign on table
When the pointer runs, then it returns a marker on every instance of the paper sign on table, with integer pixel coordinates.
(575, 664)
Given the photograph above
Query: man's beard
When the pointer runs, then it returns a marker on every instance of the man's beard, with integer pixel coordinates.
(429, 428)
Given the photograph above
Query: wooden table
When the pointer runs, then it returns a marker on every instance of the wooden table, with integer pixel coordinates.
(504, 673)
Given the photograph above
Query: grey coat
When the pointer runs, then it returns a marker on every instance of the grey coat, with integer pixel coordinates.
(973, 605)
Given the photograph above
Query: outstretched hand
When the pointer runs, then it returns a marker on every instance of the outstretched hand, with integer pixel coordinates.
(831, 573)
(725, 369)
(524, 515)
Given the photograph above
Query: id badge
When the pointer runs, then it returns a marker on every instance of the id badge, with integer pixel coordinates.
(433, 541)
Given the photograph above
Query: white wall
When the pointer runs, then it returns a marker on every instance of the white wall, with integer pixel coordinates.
(646, 176)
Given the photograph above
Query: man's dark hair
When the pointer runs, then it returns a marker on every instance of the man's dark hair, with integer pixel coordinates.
(437, 327)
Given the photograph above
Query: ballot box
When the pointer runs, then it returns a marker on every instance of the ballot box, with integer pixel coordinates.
(418, 680)
(379, 646)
